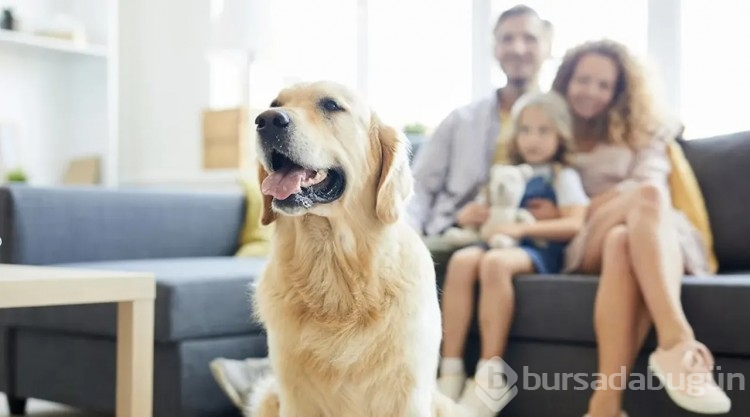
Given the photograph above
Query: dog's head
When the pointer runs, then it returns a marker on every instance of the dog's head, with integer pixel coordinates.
(322, 151)
(508, 184)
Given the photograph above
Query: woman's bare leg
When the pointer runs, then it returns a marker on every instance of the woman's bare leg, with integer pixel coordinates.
(611, 214)
(656, 255)
(658, 265)
(620, 320)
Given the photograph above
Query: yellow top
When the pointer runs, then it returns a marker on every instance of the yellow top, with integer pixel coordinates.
(501, 148)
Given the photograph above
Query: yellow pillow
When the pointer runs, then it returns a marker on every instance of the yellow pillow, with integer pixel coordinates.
(255, 239)
(687, 197)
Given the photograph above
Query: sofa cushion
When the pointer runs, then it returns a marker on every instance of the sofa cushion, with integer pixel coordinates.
(721, 167)
(195, 297)
(50, 225)
(561, 308)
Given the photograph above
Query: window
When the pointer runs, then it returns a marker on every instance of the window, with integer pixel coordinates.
(419, 59)
(412, 60)
(715, 67)
(415, 60)
(302, 41)
(309, 41)
(578, 21)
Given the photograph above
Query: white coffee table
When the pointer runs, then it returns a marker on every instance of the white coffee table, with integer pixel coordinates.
(134, 293)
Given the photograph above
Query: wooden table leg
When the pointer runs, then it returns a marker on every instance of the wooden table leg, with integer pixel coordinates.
(135, 358)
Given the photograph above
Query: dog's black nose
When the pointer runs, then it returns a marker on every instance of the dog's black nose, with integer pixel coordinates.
(273, 119)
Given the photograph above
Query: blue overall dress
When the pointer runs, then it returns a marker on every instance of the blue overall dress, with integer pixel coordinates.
(549, 258)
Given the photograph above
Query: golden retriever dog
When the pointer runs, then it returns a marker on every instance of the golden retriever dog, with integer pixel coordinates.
(348, 298)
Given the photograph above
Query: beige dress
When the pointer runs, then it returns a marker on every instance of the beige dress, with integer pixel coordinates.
(607, 166)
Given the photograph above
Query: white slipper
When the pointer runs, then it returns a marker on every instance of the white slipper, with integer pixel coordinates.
(237, 378)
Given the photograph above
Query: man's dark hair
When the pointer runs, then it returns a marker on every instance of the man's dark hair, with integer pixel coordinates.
(519, 10)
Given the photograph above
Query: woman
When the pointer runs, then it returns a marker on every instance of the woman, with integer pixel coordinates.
(633, 238)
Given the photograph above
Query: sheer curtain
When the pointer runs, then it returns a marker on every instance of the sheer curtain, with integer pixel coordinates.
(419, 58)
(414, 58)
(715, 67)
(577, 21)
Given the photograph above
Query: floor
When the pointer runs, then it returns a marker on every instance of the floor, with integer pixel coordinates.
(38, 408)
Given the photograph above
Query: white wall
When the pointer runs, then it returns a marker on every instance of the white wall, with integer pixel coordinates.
(85, 103)
(163, 89)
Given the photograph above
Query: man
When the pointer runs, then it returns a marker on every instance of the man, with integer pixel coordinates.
(454, 164)
(451, 167)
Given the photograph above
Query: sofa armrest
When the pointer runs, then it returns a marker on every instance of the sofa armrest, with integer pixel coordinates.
(81, 224)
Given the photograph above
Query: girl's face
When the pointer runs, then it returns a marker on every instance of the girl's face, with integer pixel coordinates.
(537, 138)
(592, 86)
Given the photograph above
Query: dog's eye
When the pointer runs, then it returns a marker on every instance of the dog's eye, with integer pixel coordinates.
(275, 103)
(328, 104)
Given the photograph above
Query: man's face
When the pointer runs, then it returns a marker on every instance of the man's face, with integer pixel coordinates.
(521, 46)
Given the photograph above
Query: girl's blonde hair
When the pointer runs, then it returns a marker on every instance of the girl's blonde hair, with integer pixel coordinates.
(557, 109)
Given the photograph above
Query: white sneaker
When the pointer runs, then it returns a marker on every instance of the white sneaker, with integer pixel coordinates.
(451, 385)
(481, 402)
(238, 377)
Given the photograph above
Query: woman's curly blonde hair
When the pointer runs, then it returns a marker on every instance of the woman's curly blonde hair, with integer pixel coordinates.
(633, 116)
(554, 105)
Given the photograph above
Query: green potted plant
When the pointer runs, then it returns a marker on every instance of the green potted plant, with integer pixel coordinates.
(415, 129)
(16, 176)
(417, 134)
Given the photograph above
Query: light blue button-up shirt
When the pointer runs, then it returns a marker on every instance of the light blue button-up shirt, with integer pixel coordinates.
(450, 168)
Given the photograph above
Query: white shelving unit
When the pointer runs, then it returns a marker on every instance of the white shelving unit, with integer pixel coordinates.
(133, 96)
(62, 96)
(52, 44)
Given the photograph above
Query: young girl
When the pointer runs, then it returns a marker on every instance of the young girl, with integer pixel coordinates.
(541, 137)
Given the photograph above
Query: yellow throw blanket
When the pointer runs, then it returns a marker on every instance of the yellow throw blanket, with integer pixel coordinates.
(687, 197)
(254, 239)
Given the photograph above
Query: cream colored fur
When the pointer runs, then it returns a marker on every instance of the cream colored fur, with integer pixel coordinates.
(348, 297)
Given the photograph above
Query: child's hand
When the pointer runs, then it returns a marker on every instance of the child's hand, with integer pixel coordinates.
(515, 230)
(543, 209)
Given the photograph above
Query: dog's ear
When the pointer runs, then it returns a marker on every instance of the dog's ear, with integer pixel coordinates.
(395, 183)
(267, 215)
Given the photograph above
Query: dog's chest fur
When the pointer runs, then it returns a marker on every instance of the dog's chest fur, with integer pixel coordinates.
(339, 323)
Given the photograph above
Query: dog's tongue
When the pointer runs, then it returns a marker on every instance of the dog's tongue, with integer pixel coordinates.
(282, 184)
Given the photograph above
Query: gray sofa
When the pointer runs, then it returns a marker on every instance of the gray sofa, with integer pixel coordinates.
(553, 328)
(67, 354)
